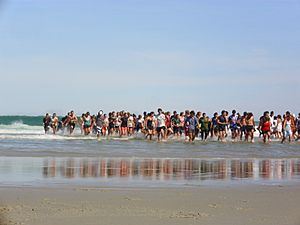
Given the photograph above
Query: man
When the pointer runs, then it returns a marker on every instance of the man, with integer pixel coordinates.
(214, 125)
(250, 127)
(46, 122)
(99, 123)
(204, 126)
(161, 124)
(222, 122)
(233, 118)
(191, 123)
(72, 121)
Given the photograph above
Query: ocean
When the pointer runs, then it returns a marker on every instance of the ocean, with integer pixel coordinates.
(29, 157)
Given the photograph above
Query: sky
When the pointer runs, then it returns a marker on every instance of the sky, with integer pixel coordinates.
(138, 55)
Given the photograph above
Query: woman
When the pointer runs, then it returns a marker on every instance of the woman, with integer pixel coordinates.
(54, 123)
(149, 121)
(266, 129)
(87, 122)
(288, 128)
(130, 124)
(124, 124)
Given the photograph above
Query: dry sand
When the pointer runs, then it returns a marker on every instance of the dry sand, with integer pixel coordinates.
(272, 205)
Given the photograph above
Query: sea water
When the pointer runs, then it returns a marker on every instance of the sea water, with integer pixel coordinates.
(29, 157)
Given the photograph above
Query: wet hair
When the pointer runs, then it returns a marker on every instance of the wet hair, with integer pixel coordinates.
(233, 111)
(266, 112)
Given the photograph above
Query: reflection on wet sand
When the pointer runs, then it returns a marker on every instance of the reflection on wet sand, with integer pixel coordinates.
(173, 169)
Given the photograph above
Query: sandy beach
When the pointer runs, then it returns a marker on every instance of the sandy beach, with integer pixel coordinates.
(265, 205)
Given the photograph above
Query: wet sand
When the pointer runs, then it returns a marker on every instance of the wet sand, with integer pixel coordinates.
(257, 204)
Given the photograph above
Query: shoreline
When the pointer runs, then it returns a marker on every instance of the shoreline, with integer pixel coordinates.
(262, 205)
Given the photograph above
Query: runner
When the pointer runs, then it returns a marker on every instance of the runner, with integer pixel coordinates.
(54, 123)
(266, 129)
(99, 123)
(87, 123)
(46, 122)
(149, 121)
(176, 125)
(72, 121)
(288, 125)
(204, 126)
(191, 123)
(250, 127)
(222, 122)
(233, 121)
(161, 125)
(214, 130)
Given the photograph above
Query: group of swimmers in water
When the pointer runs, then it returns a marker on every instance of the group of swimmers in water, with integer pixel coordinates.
(188, 124)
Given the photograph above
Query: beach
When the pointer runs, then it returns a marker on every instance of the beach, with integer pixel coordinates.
(61, 179)
(259, 205)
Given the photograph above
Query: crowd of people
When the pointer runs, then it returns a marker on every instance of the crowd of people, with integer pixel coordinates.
(188, 124)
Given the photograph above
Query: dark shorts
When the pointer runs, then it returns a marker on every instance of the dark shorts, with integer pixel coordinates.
(46, 127)
(72, 125)
(158, 129)
(249, 128)
(233, 127)
(265, 131)
(86, 126)
(176, 129)
(221, 127)
(191, 131)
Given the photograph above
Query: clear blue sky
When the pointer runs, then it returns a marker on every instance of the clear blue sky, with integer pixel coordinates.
(57, 55)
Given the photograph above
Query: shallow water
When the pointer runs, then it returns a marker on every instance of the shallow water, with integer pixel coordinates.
(145, 172)
(29, 157)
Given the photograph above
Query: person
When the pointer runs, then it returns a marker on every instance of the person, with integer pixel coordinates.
(149, 124)
(54, 123)
(124, 122)
(242, 122)
(191, 123)
(175, 121)
(214, 130)
(99, 123)
(140, 124)
(169, 131)
(130, 124)
(87, 123)
(161, 125)
(72, 121)
(222, 122)
(197, 130)
(204, 126)
(81, 124)
(111, 123)
(266, 129)
(250, 127)
(46, 122)
(288, 125)
(105, 125)
(298, 126)
(182, 120)
(233, 121)
(279, 127)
